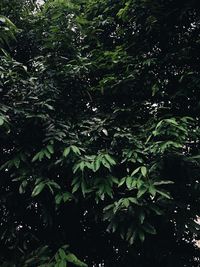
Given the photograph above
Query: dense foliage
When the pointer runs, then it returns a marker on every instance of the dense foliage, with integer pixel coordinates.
(99, 133)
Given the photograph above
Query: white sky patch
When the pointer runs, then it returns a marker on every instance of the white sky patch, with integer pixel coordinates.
(40, 2)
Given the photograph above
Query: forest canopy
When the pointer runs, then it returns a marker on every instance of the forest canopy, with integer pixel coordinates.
(99, 133)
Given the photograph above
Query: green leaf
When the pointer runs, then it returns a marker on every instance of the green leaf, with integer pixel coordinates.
(76, 167)
(75, 149)
(114, 180)
(50, 188)
(41, 155)
(67, 196)
(141, 235)
(62, 254)
(54, 184)
(47, 154)
(89, 165)
(58, 199)
(141, 192)
(50, 149)
(105, 163)
(139, 183)
(122, 181)
(73, 259)
(66, 152)
(96, 164)
(163, 182)
(110, 159)
(172, 121)
(144, 171)
(129, 181)
(164, 194)
(134, 183)
(38, 189)
(1, 121)
(135, 171)
(126, 202)
(75, 187)
(36, 157)
(152, 190)
(82, 165)
(62, 263)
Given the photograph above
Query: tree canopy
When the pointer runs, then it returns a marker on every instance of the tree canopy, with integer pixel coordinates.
(99, 133)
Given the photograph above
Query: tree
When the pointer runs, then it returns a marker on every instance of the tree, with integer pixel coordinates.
(99, 133)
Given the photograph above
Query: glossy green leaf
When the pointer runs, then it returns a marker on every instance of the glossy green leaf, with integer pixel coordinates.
(38, 189)
(144, 171)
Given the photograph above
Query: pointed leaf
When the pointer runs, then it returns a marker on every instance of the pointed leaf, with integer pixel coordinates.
(144, 171)
(66, 152)
(135, 171)
(110, 159)
(38, 189)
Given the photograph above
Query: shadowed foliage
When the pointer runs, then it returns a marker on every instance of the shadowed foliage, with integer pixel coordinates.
(99, 133)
